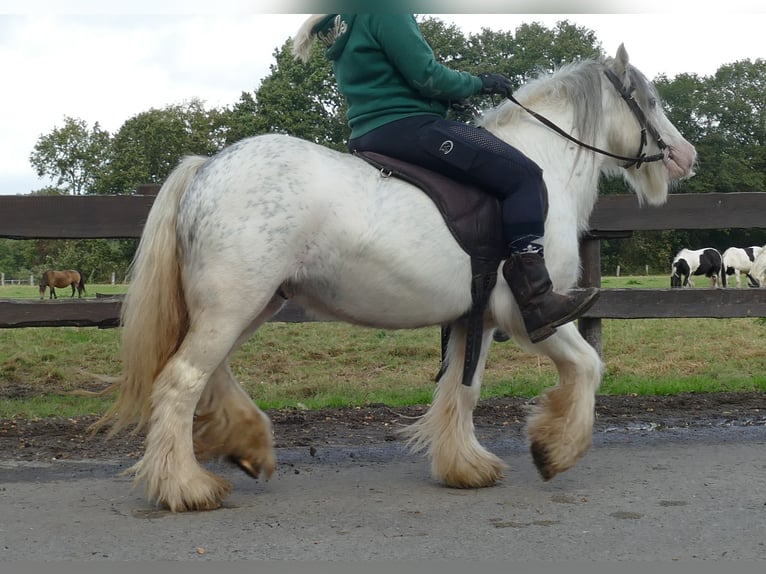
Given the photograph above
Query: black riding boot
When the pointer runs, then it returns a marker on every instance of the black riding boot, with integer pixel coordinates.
(542, 309)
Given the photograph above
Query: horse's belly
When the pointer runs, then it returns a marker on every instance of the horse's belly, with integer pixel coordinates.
(371, 295)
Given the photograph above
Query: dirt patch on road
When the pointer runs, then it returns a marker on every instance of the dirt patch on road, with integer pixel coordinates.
(68, 438)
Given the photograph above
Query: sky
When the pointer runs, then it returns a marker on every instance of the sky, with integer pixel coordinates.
(107, 61)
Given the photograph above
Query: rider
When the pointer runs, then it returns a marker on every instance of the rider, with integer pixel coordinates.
(398, 96)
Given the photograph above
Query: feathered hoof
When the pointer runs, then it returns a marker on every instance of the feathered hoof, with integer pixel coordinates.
(480, 473)
(253, 468)
(194, 491)
(542, 461)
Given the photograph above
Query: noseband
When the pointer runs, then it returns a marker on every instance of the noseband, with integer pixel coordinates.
(627, 96)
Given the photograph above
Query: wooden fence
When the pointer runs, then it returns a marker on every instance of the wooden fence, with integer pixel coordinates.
(101, 217)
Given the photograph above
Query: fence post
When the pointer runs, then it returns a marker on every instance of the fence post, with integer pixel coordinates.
(590, 255)
(112, 277)
(31, 280)
(2, 279)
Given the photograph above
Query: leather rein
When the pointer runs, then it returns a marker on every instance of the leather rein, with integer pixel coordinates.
(627, 96)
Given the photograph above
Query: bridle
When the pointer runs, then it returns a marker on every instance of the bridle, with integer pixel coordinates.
(646, 126)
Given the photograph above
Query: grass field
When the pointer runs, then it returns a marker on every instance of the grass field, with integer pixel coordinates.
(316, 365)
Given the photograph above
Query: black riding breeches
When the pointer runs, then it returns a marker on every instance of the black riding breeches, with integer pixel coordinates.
(472, 155)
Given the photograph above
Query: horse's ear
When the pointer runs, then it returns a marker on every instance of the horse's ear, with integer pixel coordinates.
(621, 65)
(622, 58)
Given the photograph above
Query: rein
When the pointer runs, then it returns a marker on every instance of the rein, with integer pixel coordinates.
(627, 95)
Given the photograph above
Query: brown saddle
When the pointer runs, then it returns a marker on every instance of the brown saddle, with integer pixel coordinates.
(475, 221)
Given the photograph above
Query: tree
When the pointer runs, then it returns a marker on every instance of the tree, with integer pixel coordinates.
(242, 120)
(302, 100)
(149, 145)
(736, 105)
(72, 156)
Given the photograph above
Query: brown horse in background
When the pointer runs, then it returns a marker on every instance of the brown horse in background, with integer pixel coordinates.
(68, 278)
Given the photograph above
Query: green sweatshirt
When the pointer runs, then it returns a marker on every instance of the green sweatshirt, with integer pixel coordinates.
(387, 71)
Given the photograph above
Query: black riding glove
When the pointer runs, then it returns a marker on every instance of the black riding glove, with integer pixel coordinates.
(461, 107)
(496, 84)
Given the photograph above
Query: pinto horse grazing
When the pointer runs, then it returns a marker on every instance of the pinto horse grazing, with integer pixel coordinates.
(296, 220)
(738, 260)
(688, 262)
(69, 278)
(757, 273)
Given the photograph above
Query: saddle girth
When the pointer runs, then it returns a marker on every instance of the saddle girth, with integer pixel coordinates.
(474, 219)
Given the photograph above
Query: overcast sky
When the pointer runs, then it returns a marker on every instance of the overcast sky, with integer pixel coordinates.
(106, 66)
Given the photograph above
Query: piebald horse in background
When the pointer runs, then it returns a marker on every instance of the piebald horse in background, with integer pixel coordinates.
(758, 270)
(738, 260)
(705, 262)
(296, 220)
(69, 278)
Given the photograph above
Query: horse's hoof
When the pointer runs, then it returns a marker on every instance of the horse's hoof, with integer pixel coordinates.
(542, 461)
(249, 468)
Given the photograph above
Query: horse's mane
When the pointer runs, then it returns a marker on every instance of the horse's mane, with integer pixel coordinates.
(578, 83)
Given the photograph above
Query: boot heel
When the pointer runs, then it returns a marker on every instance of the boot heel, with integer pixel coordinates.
(541, 334)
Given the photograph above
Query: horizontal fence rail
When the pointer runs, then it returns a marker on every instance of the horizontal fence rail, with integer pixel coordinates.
(118, 217)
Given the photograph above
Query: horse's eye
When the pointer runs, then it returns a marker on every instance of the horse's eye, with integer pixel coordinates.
(652, 103)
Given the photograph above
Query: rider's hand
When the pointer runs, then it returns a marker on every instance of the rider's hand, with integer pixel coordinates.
(496, 84)
(461, 107)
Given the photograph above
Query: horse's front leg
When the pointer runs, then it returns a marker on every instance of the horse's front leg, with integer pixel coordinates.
(446, 431)
(560, 426)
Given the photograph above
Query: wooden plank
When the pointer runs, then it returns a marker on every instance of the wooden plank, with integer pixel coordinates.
(67, 312)
(612, 304)
(73, 217)
(699, 302)
(102, 312)
(682, 211)
(123, 216)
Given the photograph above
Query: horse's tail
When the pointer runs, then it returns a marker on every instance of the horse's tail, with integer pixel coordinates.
(305, 36)
(154, 316)
(81, 284)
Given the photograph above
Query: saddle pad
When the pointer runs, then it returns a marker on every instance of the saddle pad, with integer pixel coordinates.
(472, 215)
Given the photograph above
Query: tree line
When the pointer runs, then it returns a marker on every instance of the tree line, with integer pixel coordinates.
(723, 115)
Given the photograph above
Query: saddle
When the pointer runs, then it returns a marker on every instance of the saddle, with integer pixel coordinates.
(473, 217)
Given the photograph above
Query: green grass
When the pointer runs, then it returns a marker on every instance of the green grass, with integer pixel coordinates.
(315, 365)
(33, 291)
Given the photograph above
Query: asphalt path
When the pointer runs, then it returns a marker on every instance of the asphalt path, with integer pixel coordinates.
(640, 495)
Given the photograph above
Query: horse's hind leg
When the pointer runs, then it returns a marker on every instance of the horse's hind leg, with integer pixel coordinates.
(446, 431)
(560, 427)
(169, 470)
(227, 424)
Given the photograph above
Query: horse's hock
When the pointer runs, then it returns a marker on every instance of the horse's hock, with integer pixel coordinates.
(617, 216)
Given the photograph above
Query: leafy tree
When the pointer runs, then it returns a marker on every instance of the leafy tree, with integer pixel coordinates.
(302, 99)
(149, 145)
(242, 119)
(736, 106)
(72, 155)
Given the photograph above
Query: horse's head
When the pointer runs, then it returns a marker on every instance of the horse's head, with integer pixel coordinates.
(643, 129)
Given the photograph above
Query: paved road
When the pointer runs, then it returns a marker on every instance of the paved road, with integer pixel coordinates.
(663, 495)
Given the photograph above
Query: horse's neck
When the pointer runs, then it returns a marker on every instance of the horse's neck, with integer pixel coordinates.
(571, 173)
